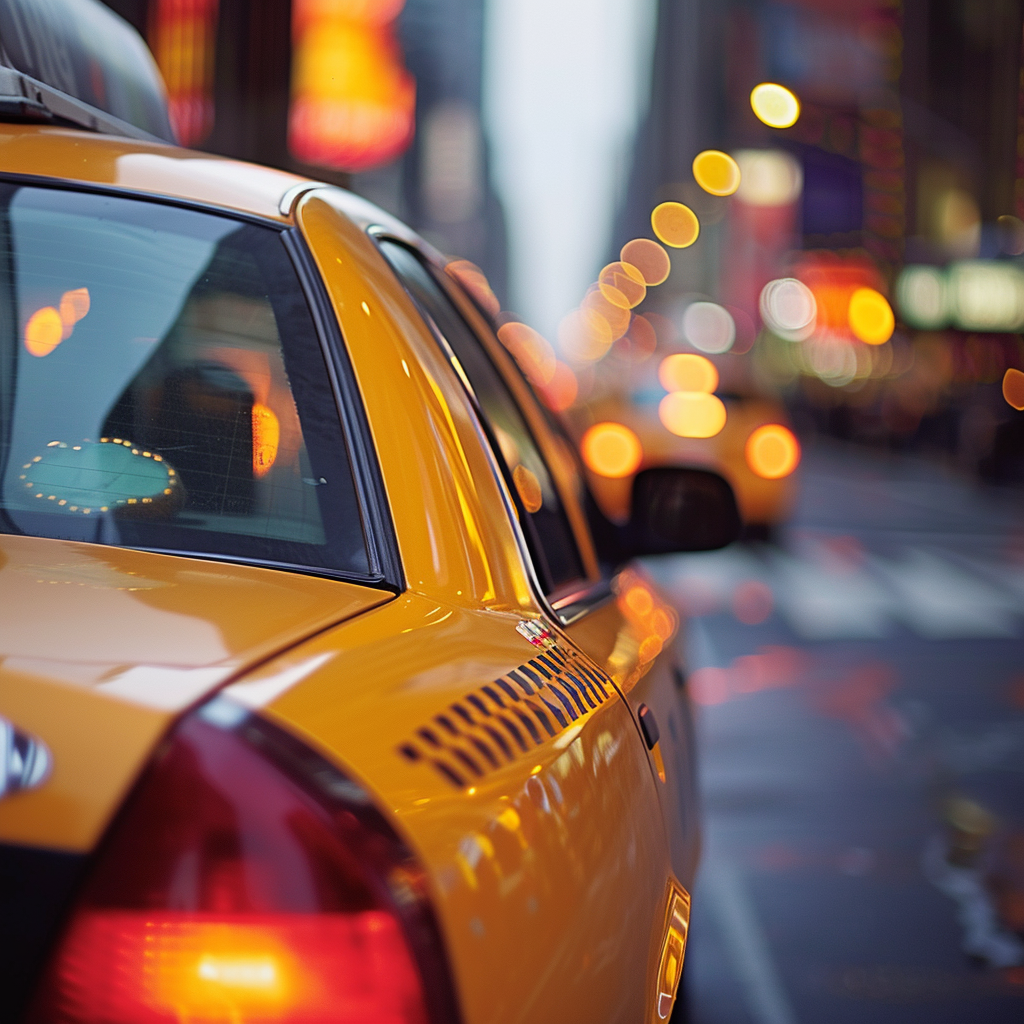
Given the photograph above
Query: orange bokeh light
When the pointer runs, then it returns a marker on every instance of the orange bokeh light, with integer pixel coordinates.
(612, 450)
(560, 392)
(687, 372)
(1013, 388)
(266, 437)
(73, 307)
(692, 413)
(616, 317)
(536, 358)
(649, 258)
(528, 488)
(44, 331)
(675, 224)
(622, 285)
(473, 279)
(772, 451)
(641, 339)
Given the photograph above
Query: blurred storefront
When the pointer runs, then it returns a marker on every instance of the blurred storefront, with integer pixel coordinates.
(382, 96)
(902, 176)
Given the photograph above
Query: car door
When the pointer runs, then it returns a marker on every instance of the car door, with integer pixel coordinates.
(582, 605)
(618, 618)
(620, 621)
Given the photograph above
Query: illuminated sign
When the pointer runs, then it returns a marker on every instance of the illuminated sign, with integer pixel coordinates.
(353, 102)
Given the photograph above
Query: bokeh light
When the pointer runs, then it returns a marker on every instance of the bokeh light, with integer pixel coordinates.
(871, 316)
(775, 105)
(788, 308)
(266, 437)
(692, 414)
(986, 295)
(473, 279)
(649, 258)
(584, 335)
(772, 451)
(615, 317)
(752, 602)
(675, 224)
(560, 392)
(1013, 388)
(768, 177)
(528, 488)
(921, 296)
(642, 338)
(716, 172)
(687, 372)
(536, 358)
(74, 305)
(611, 449)
(709, 327)
(44, 331)
(622, 285)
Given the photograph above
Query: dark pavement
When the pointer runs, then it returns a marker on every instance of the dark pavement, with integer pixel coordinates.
(860, 692)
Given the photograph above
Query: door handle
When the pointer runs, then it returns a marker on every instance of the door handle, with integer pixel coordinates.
(648, 726)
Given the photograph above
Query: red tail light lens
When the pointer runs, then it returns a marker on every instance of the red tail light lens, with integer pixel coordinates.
(248, 880)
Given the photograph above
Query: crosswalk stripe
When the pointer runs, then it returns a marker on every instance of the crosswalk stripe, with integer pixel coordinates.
(938, 596)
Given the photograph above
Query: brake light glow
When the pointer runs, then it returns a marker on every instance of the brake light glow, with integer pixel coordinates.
(246, 879)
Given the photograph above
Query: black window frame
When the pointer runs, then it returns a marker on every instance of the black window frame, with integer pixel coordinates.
(385, 567)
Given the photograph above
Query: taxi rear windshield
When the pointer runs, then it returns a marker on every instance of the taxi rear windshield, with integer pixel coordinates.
(162, 386)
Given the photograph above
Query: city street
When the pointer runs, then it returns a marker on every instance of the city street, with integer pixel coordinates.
(872, 694)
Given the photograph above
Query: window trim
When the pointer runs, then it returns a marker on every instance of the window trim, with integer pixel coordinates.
(375, 514)
(567, 594)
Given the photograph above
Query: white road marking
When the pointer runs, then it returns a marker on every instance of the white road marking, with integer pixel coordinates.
(821, 602)
(741, 931)
(939, 600)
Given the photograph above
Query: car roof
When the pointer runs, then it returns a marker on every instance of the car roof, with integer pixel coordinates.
(72, 155)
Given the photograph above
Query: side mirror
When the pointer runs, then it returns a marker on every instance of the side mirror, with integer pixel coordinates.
(678, 509)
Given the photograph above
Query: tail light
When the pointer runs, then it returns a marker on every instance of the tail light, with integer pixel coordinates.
(247, 879)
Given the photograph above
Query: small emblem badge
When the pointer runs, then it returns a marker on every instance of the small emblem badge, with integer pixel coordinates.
(24, 762)
(537, 633)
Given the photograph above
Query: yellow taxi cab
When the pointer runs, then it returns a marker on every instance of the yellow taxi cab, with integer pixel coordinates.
(325, 693)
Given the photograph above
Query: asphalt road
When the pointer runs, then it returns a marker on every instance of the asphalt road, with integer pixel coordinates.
(860, 692)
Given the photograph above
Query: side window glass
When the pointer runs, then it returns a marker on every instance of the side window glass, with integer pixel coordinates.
(547, 529)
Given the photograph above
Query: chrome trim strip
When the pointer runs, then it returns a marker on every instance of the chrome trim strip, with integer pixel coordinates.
(287, 202)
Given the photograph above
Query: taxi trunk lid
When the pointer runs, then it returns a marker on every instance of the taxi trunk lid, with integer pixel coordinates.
(101, 648)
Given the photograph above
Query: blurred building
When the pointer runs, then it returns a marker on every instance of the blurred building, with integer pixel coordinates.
(377, 95)
(903, 174)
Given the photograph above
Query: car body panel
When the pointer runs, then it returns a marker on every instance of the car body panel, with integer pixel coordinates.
(557, 858)
(101, 647)
(145, 167)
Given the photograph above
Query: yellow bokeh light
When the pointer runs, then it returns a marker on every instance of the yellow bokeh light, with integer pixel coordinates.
(871, 317)
(44, 331)
(692, 413)
(649, 258)
(611, 449)
(772, 451)
(688, 372)
(775, 105)
(675, 224)
(716, 172)
(1013, 388)
(622, 285)
(266, 437)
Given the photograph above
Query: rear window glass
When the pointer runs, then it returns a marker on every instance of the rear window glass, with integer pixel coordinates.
(162, 386)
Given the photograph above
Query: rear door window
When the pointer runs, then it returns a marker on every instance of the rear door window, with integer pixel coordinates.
(162, 386)
(548, 533)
